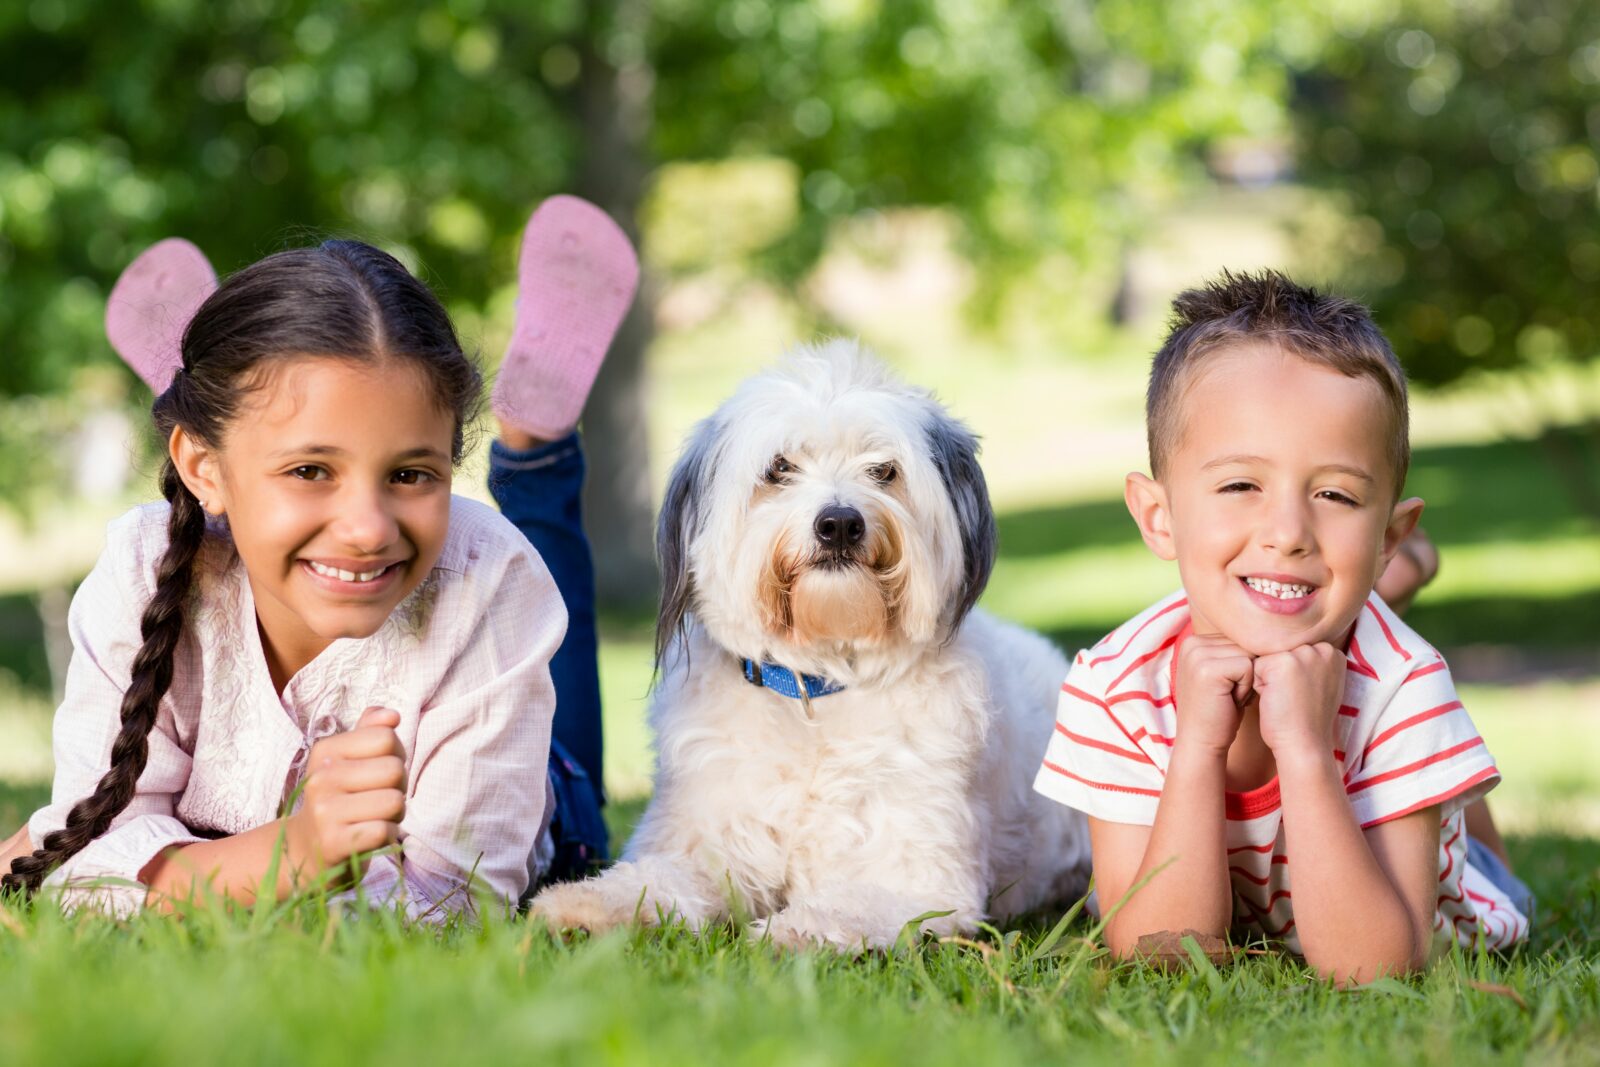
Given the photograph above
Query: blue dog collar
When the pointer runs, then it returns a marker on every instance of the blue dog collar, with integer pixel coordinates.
(783, 681)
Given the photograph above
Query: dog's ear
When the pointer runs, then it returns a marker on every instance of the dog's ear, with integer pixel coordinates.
(682, 512)
(955, 455)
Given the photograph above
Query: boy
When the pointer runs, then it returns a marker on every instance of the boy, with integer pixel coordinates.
(1276, 715)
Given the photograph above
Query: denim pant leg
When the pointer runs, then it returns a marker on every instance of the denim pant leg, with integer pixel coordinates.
(539, 490)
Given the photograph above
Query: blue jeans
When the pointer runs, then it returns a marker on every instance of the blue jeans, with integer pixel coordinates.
(1493, 868)
(540, 490)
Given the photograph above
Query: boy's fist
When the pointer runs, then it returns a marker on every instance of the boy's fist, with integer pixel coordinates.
(354, 795)
(1215, 678)
(1300, 693)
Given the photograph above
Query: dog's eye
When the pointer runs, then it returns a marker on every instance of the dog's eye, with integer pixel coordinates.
(883, 473)
(779, 470)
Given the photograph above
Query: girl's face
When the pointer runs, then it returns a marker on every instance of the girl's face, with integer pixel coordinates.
(335, 478)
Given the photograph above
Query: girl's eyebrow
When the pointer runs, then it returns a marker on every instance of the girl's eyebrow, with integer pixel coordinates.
(419, 452)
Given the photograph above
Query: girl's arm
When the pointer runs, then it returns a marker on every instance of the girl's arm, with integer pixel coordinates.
(352, 804)
(18, 844)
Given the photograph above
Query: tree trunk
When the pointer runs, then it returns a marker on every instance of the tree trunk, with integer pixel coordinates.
(613, 115)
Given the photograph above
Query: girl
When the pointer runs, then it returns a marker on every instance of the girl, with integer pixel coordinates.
(310, 563)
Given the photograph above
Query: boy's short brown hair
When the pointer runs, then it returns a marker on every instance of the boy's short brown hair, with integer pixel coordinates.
(1235, 308)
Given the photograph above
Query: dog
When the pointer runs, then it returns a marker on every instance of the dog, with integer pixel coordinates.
(845, 746)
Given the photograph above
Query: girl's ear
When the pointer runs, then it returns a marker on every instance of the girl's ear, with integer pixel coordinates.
(1402, 520)
(196, 464)
(1147, 503)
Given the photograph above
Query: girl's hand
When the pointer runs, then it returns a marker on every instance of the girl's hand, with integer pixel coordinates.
(1215, 677)
(1300, 693)
(354, 795)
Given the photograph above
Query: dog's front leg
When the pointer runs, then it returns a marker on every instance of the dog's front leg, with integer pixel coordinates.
(856, 916)
(649, 890)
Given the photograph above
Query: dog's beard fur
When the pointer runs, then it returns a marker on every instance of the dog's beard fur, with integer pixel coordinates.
(810, 600)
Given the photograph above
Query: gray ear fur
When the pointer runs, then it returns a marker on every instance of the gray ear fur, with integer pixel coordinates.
(680, 520)
(955, 454)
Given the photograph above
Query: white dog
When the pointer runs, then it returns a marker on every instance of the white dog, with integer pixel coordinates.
(843, 744)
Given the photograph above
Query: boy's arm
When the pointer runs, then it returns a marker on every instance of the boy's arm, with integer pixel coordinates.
(1192, 892)
(1363, 900)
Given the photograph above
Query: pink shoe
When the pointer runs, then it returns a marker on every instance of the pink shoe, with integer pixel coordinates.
(151, 305)
(576, 277)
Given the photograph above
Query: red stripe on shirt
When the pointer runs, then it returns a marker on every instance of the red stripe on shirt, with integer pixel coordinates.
(1483, 775)
(1107, 786)
(1247, 876)
(1175, 605)
(1349, 712)
(1450, 857)
(1358, 662)
(1148, 698)
(1090, 742)
(1411, 768)
(1422, 672)
(1388, 633)
(1141, 661)
(1160, 739)
(1250, 848)
(1406, 724)
(1481, 899)
(1085, 697)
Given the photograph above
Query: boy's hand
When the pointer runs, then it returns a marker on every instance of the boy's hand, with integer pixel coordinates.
(354, 794)
(1215, 677)
(1300, 694)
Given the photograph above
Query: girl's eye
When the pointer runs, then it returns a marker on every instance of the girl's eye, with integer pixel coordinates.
(412, 476)
(883, 473)
(779, 470)
(308, 473)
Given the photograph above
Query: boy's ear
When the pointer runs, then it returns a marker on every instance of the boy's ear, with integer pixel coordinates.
(1402, 520)
(197, 466)
(1147, 503)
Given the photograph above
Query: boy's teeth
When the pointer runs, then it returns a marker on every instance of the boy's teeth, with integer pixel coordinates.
(1281, 590)
(344, 575)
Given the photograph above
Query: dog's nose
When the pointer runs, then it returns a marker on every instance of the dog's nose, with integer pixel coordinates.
(838, 526)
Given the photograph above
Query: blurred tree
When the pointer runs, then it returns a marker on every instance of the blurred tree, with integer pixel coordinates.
(1460, 142)
(434, 128)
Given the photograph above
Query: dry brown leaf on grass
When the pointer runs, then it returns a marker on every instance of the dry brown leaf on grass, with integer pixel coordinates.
(1165, 948)
(1498, 991)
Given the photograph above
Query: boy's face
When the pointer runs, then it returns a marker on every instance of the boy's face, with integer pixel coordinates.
(1277, 500)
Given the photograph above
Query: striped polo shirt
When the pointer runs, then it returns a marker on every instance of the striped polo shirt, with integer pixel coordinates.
(1402, 739)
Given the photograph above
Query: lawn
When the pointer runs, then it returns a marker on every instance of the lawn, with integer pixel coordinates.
(1517, 608)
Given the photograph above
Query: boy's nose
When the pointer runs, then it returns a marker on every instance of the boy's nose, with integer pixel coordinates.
(1287, 529)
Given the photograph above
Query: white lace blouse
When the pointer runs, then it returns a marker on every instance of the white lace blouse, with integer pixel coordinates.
(464, 659)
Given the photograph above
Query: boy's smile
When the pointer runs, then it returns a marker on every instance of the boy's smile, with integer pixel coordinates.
(1278, 500)
(335, 478)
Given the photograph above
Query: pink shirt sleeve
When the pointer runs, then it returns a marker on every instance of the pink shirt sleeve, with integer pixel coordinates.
(104, 626)
(476, 793)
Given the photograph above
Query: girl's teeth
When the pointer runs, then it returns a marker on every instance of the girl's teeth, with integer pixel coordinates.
(1280, 590)
(344, 575)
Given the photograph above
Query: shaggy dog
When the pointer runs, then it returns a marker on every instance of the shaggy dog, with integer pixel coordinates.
(844, 745)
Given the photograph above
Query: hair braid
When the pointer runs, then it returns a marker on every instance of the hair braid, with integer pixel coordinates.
(161, 627)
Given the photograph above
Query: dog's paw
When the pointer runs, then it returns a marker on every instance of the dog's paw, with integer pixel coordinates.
(576, 906)
(797, 928)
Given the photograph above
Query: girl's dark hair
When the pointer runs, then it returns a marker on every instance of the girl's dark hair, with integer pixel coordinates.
(341, 299)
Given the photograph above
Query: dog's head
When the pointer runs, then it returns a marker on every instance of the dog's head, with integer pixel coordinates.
(825, 511)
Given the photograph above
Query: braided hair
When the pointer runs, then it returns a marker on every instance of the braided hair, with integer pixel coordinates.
(342, 299)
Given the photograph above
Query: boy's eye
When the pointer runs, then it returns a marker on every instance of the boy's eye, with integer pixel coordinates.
(1338, 497)
(1237, 487)
(308, 473)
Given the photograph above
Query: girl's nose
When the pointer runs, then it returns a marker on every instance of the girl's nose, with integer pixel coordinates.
(365, 522)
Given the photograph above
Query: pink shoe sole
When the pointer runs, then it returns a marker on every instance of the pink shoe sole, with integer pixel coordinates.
(576, 276)
(151, 305)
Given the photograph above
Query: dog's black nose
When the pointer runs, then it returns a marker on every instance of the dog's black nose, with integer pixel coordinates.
(840, 527)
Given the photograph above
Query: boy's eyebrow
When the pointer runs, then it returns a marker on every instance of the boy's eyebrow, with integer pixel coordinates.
(1337, 468)
(419, 452)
